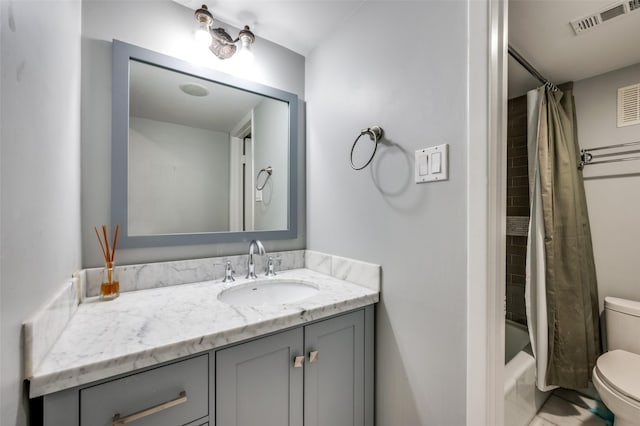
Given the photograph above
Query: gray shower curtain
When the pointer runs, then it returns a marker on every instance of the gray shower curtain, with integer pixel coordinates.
(571, 288)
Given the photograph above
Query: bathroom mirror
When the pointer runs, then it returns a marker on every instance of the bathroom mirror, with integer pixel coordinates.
(199, 156)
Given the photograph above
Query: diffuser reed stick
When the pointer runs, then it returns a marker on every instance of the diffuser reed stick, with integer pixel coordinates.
(115, 242)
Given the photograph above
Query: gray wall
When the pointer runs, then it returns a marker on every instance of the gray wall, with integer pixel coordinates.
(613, 197)
(270, 148)
(403, 68)
(39, 173)
(166, 27)
(164, 159)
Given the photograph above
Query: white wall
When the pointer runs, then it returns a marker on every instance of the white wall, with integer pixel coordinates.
(39, 173)
(270, 148)
(166, 27)
(613, 190)
(403, 67)
(165, 158)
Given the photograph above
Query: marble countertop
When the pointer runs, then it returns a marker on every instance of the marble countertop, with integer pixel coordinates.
(148, 327)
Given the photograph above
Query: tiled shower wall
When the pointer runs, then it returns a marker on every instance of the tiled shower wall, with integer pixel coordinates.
(517, 206)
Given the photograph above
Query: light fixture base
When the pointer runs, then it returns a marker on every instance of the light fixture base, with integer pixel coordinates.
(203, 16)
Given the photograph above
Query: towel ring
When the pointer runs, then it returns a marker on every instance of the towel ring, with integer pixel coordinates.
(268, 170)
(375, 133)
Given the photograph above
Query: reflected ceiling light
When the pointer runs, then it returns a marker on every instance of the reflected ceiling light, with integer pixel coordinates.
(194, 89)
(219, 41)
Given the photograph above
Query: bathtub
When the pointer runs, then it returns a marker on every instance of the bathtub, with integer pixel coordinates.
(522, 399)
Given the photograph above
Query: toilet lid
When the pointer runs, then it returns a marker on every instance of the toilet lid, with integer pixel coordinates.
(621, 370)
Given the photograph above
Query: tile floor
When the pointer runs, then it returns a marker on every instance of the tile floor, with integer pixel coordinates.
(567, 408)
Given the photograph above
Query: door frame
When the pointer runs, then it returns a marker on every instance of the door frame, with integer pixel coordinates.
(236, 179)
(486, 212)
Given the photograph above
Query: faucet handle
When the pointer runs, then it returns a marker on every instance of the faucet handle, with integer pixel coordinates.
(228, 273)
(270, 270)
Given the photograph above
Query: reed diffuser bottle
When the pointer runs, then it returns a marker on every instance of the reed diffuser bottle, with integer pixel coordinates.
(110, 284)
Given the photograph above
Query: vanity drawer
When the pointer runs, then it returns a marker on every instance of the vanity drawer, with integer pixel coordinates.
(173, 395)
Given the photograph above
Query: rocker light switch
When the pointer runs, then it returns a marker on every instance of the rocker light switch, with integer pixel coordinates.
(423, 166)
(431, 164)
(436, 162)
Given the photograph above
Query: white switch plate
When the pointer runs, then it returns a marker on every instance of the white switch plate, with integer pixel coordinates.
(429, 173)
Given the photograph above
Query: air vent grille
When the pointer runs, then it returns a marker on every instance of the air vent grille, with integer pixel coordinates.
(611, 12)
(586, 23)
(614, 12)
(629, 105)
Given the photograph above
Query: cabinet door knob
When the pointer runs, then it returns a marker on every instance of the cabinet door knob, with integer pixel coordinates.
(313, 356)
(298, 362)
(181, 399)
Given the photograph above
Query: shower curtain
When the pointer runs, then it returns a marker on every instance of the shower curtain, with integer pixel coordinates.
(561, 289)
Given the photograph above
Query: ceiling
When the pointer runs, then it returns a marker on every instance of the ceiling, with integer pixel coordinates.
(540, 31)
(155, 94)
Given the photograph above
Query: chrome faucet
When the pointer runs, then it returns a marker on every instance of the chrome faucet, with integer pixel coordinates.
(251, 267)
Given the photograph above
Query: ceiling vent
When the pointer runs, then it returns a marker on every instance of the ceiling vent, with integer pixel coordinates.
(629, 105)
(607, 14)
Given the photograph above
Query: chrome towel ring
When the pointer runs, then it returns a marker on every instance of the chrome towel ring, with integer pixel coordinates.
(375, 133)
(268, 170)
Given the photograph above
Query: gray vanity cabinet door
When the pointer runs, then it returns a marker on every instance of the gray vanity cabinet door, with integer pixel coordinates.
(257, 383)
(335, 375)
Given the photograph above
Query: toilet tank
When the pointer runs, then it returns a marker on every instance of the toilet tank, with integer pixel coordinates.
(622, 318)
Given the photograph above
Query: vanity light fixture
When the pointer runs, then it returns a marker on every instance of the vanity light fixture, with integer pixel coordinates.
(219, 41)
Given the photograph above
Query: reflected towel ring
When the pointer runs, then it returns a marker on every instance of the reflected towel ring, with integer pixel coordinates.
(375, 133)
(268, 170)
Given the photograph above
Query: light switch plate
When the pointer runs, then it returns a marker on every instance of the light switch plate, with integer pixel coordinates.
(432, 164)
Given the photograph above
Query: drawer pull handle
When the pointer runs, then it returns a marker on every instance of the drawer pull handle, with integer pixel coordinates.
(298, 362)
(181, 399)
(313, 356)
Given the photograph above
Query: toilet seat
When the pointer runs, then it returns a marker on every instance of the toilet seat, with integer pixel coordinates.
(620, 371)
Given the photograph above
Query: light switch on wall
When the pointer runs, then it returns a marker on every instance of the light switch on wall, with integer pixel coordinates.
(436, 162)
(432, 164)
(423, 165)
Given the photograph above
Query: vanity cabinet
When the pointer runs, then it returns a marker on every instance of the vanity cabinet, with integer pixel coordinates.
(311, 376)
(258, 383)
(320, 374)
(172, 395)
(176, 394)
(334, 371)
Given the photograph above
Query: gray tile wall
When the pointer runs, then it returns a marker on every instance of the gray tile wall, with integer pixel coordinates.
(517, 205)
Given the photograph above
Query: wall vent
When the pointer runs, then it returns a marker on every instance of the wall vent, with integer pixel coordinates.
(609, 13)
(586, 23)
(629, 105)
(614, 12)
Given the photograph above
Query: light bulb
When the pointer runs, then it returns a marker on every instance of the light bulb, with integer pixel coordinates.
(203, 36)
(245, 55)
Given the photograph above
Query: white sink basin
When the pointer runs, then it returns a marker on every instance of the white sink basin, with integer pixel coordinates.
(267, 292)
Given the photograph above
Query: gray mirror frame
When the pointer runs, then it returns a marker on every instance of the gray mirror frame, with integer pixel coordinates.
(122, 54)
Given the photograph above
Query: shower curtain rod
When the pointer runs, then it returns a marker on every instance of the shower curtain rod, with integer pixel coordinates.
(534, 72)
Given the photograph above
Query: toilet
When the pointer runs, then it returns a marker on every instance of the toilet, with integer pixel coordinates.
(616, 375)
